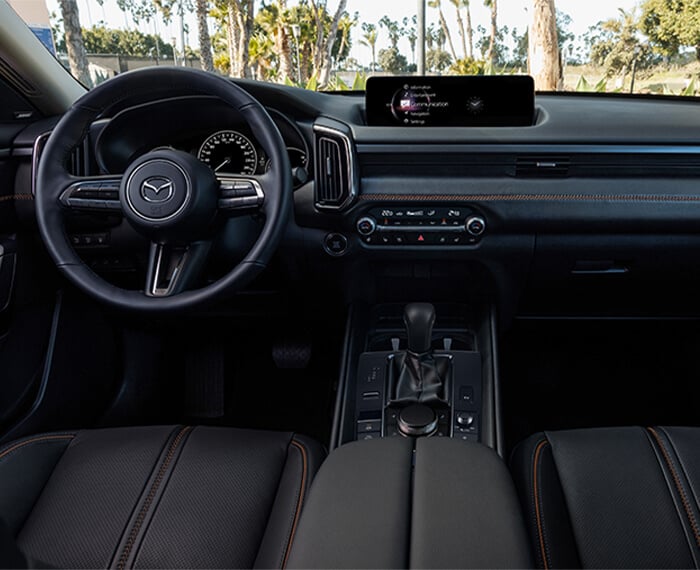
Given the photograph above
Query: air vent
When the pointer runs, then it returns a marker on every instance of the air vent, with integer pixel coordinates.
(542, 166)
(335, 177)
(78, 160)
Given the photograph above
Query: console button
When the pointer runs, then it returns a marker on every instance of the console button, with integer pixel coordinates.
(335, 244)
(370, 435)
(465, 419)
(364, 426)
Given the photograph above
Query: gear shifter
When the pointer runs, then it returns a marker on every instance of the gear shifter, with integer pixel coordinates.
(419, 319)
(419, 376)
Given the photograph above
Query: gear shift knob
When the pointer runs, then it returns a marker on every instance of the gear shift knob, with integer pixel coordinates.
(419, 319)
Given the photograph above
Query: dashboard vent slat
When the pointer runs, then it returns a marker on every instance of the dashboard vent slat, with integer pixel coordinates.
(542, 166)
(334, 176)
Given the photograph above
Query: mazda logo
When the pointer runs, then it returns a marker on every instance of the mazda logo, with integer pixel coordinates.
(157, 189)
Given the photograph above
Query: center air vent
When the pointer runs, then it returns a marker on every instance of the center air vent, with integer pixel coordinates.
(334, 175)
(542, 166)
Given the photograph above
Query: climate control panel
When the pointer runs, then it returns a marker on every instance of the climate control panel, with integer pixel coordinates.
(418, 226)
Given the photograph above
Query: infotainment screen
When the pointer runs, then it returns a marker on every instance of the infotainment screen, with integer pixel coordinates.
(469, 101)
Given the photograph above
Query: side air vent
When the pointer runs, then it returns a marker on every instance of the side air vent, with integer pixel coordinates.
(78, 160)
(542, 166)
(334, 169)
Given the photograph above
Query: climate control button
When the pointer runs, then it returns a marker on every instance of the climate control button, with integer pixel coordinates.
(366, 226)
(476, 225)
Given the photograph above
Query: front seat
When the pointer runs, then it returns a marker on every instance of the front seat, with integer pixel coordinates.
(155, 497)
(612, 497)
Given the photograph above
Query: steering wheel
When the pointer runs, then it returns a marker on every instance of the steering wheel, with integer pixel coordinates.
(168, 196)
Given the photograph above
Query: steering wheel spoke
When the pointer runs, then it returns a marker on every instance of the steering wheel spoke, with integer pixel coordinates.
(240, 195)
(173, 268)
(93, 194)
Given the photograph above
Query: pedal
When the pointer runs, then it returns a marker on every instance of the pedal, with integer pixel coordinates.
(291, 353)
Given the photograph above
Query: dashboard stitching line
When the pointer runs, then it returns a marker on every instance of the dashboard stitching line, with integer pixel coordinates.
(529, 198)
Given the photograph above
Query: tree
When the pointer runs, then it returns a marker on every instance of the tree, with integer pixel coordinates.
(672, 24)
(616, 45)
(102, 40)
(437, 60)
(411, 34)
(325, 38)
(203, 34)
(391, 60)
(393, 30)
(369, 39)
(466, 34)
(237, 19)
(443, 25)
(544, 57)
(77, 58)
(491, 53)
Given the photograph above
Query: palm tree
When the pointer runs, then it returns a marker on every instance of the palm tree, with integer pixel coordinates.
(77, 58)
(491, 53)
(205, 54)
(544, 58)
(369, 39)
(411, 34)
(443, 24)
(466, 35)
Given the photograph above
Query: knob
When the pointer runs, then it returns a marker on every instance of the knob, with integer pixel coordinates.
(419, 319)
(465, 419)
(476, 225)
(417, 420)
(366, 226)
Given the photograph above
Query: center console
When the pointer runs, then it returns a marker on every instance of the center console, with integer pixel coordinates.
(418, 370)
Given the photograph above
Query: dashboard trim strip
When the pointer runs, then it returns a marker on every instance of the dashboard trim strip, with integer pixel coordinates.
(673, 198)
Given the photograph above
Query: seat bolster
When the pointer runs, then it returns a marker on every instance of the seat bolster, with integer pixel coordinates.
(25, 467)
(544, 506)
(304, 457)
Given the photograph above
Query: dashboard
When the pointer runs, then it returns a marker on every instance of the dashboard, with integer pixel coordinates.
(595, 189)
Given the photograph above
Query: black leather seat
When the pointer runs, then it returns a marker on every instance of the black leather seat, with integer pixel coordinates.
(155, 497)
(612, 498)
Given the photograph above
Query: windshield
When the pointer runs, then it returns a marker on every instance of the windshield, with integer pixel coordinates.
(603, 46)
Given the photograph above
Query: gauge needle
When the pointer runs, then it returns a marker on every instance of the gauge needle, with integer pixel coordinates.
(224, 163)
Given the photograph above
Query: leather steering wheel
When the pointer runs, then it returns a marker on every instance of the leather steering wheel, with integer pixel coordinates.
(168, 196)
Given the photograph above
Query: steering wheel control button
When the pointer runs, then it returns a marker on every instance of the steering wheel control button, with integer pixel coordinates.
(417, 420)
(335, 244)
(476, 226)
(366, 226)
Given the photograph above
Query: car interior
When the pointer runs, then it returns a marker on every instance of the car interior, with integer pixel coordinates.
(245, 325)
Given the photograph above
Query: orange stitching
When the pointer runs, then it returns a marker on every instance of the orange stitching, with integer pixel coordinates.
(529, 198)
(540, 529)
(300, 500)
(149, 499)
(34, 440)
(679, 486)
(16, 197)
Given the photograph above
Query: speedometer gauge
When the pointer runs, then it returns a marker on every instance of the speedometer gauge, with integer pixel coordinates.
(229, 152)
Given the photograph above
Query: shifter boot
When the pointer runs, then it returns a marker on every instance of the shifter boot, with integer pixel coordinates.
(420, 378)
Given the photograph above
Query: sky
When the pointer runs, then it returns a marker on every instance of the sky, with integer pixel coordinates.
(512, 13)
